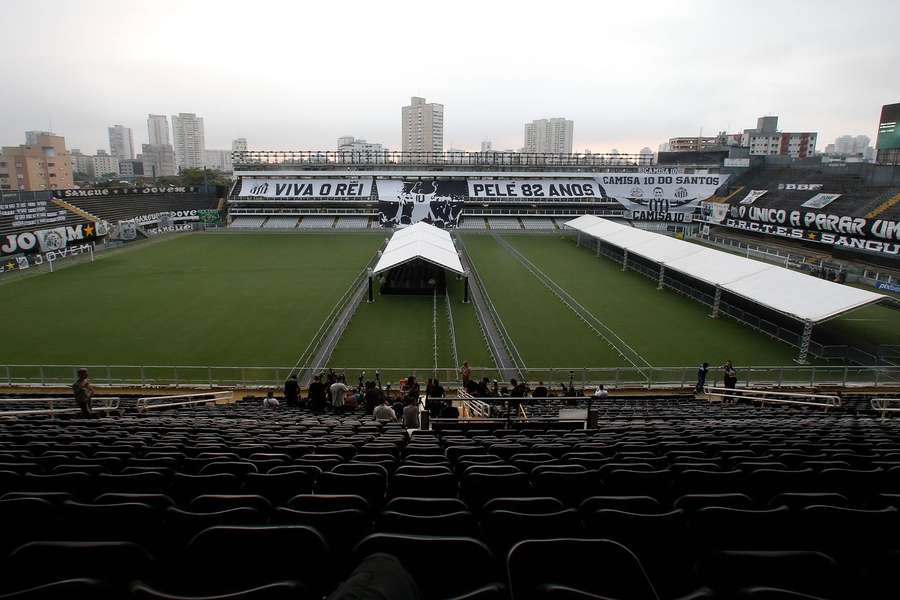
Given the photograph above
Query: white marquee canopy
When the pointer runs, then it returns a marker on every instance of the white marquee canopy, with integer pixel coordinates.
(423, 241)
(801, 296)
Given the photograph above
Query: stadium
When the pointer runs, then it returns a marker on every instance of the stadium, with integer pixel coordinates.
(583, 292)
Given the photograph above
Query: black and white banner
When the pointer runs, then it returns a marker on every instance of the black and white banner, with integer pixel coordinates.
(753, 196)
(298, 189)
(532, 189)
(666, 197)
(46, 240)
(841, 240)
(435, 202)
(820, 200)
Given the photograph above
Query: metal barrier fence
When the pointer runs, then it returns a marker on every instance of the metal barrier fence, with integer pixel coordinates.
(54, 406)
(553, 377)
(764, 397)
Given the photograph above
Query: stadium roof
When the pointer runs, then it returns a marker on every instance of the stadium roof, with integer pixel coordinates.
(795, 294)
(423, 241)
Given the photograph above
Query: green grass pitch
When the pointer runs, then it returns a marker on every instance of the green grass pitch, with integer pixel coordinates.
(257, 299)
(202, 299)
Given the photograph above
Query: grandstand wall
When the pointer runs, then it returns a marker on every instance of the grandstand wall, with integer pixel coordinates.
(852, 210)
(38, 227)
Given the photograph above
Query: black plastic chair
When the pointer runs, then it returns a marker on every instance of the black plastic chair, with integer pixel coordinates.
(421, 554)
(424, 486)
(459, 523)
(283, 590)
(425, 506)
(369, 486)
(68, 588)
(328, 503)
(341, 528)
(632, 504)
(576, 568)
(216, 503)
(812, 573)
(503, 528)
(536, 505)
(278, 487)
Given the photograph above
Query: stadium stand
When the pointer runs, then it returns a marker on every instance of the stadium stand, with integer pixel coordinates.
(472, 223)
(857, 198)
(316, 222)
(122, 208)
(538, 223)
(504, 223)
(661, 499)
(284, 222)
(354, 222)
(247, 222)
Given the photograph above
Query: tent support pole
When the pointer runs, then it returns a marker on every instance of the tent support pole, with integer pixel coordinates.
(625, 261)
(578, 239)
(371, 292)
(804, 342)
(716, 300)
(662, 275)
(466, 288)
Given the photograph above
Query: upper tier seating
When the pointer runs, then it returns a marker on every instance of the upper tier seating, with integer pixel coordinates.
(724, 499)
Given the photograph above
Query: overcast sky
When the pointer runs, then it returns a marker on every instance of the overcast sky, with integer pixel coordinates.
(299, 74)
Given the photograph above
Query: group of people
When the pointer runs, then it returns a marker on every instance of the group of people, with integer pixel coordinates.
(329, 391)
(729, 376)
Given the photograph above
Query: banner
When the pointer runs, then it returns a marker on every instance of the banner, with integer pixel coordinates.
(21, 262)
(129, 191)
(294, 189)
(29, 214)
(211, 216)
(438, 203)
(858, 227)
(667, 197)
(823, 237)
(123, 230)
(820, 200)
(45, 240)
(532, 189)
(753, 196)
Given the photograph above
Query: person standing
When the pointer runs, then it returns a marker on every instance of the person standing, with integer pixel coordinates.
(84, 393)
(600, 393)
(411, 414)
(338, 391)
(465, 373)
(701, 377)
(730, 377)
(316, 393)
(292, 391)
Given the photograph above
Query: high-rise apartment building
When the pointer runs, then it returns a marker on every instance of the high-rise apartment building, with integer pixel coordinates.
(158, 130)
(486, 146)
(549, 136)
(422, 126)
(159, 160)
(81, 163)
(187, 132)
(888, 141)
(121, 142)
(239, 145)
(105, 164)
(43, 163)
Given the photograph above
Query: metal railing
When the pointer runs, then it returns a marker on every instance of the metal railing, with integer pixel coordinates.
(110, 404)
(885, 405)
(147, 403)
(672, 377)
(764, 397)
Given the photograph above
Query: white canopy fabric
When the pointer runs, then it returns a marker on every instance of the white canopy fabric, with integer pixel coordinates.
(423, 241)
(795, 294)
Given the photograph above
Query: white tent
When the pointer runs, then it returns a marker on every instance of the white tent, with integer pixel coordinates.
(801, 296)
(422, 241)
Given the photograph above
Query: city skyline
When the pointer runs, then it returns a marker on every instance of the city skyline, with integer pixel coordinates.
(691, 86)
